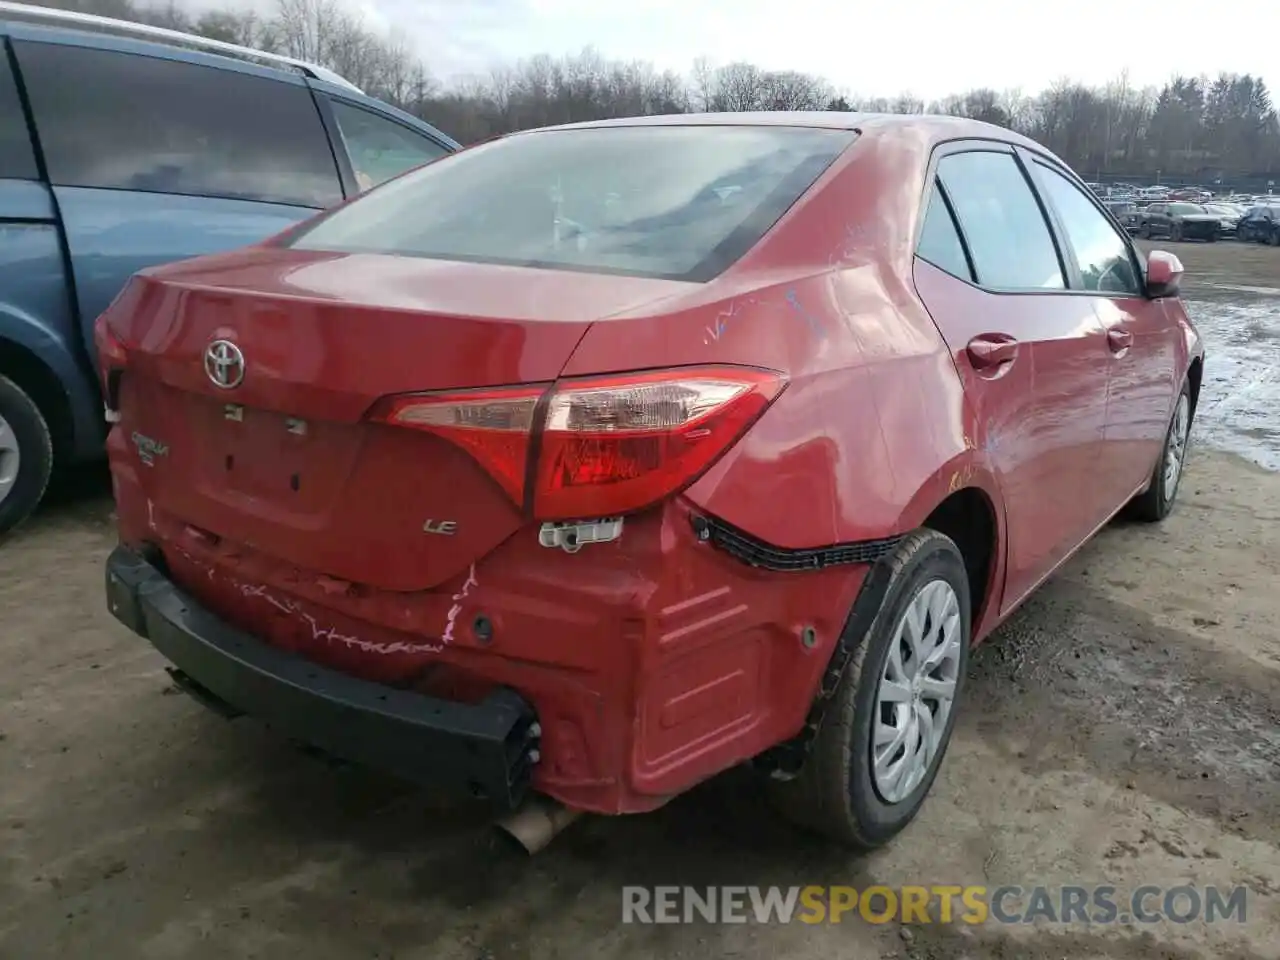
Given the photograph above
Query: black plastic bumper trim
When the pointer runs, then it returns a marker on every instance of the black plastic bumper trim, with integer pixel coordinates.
(757, 553)
(784, 761)
(485, 749)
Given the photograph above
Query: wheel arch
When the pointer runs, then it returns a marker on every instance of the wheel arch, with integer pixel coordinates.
(1195, 376)
(25, 368)
(963, 502)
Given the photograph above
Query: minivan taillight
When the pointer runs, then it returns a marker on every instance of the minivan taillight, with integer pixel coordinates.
(606, 445)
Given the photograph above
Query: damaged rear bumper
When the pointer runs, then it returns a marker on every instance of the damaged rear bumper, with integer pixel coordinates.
(486, 749)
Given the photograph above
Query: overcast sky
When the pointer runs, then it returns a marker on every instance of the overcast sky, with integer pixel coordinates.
(878, 48)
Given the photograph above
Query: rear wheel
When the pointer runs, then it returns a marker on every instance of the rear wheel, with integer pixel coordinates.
(1144, 231)
(888, 726)
(1275, 236)
(26, 455)
(1157, 502)
(1176, 232)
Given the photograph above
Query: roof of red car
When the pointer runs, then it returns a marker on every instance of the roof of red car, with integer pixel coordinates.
(937, 126)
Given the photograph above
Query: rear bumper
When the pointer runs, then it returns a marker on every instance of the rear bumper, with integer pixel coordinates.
(487, 749)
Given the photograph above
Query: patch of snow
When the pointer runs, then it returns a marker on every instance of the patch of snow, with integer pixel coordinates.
(1239, 407)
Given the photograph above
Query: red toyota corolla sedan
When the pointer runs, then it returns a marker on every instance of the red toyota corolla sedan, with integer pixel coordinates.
(592, 461)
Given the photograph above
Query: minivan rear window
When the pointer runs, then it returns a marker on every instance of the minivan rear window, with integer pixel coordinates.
(674, 202)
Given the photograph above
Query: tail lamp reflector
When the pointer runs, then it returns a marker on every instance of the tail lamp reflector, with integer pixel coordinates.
(493, 426)
(607, 445)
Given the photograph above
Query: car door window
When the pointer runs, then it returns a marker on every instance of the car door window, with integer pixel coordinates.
(381, 148)
(17, 160)
(1005, 229)
(940, 240)
(1101, 253)
(131, 122)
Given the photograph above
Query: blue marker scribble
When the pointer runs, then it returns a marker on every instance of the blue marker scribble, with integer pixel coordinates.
(794, 301)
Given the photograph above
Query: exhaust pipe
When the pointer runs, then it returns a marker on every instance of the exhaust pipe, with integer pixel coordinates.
(537, 823)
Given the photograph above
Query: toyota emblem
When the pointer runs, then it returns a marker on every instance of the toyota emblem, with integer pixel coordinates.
(224, 363)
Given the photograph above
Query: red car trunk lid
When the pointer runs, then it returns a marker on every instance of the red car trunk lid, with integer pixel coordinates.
(284, 461)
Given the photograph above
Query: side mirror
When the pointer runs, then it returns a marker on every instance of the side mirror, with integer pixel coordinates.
(1164, 274)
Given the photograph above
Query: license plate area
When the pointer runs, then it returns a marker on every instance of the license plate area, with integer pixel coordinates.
(268, 455)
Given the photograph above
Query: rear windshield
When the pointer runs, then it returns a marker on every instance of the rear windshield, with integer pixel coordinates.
(677, 202)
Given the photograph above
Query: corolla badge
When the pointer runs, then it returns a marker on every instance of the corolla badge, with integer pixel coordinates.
(224, 364)
(149, 450)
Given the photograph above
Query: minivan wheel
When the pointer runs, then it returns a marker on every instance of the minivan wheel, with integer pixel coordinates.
(1157, 501)
(887, 728)
(26, 455)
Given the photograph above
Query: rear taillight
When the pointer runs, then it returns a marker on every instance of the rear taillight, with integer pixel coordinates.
(606, 446)
(494, 426)
(112, 361)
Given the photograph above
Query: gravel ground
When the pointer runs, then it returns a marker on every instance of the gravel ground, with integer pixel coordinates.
(1123, 728)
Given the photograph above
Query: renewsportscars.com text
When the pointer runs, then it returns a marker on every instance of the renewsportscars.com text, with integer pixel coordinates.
(1096, 904)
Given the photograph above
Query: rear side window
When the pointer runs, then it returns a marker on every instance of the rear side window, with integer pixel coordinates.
(17, 161)
(1008, 237)
(380, 148)
(130, 122)
(677, 202)
(940, 241)
(1101, 253)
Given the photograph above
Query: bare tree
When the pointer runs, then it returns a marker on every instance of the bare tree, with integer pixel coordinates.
(1193, 127)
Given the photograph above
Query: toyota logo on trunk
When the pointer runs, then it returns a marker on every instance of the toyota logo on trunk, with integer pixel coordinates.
(224, 363)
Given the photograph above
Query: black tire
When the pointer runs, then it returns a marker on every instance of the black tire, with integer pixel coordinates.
(1156, 502)
(1275, 236)
(1144, 231)
(1175, 233)
(834, 793)
(35, 449)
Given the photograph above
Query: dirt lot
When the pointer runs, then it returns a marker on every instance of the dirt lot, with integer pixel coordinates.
(1124, 728)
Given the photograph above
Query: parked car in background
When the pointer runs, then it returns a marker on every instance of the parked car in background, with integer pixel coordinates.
(430, 485)
(1178, 220)
(1229, 217)
(1261, 224)
(121, 149)
(1126, 211)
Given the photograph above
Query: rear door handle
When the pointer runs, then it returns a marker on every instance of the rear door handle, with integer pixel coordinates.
(990, 350)
(1119, 339)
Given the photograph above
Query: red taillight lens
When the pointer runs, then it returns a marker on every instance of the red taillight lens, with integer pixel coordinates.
(613, 445)
(110, 350)
(112, 360)
(607, 445)
(494, 426)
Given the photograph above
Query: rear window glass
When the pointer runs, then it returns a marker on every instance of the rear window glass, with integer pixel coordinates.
(130, 122)
(16, 157)
(677, 202)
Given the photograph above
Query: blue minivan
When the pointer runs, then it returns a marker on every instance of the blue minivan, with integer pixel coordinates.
(124, 146)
